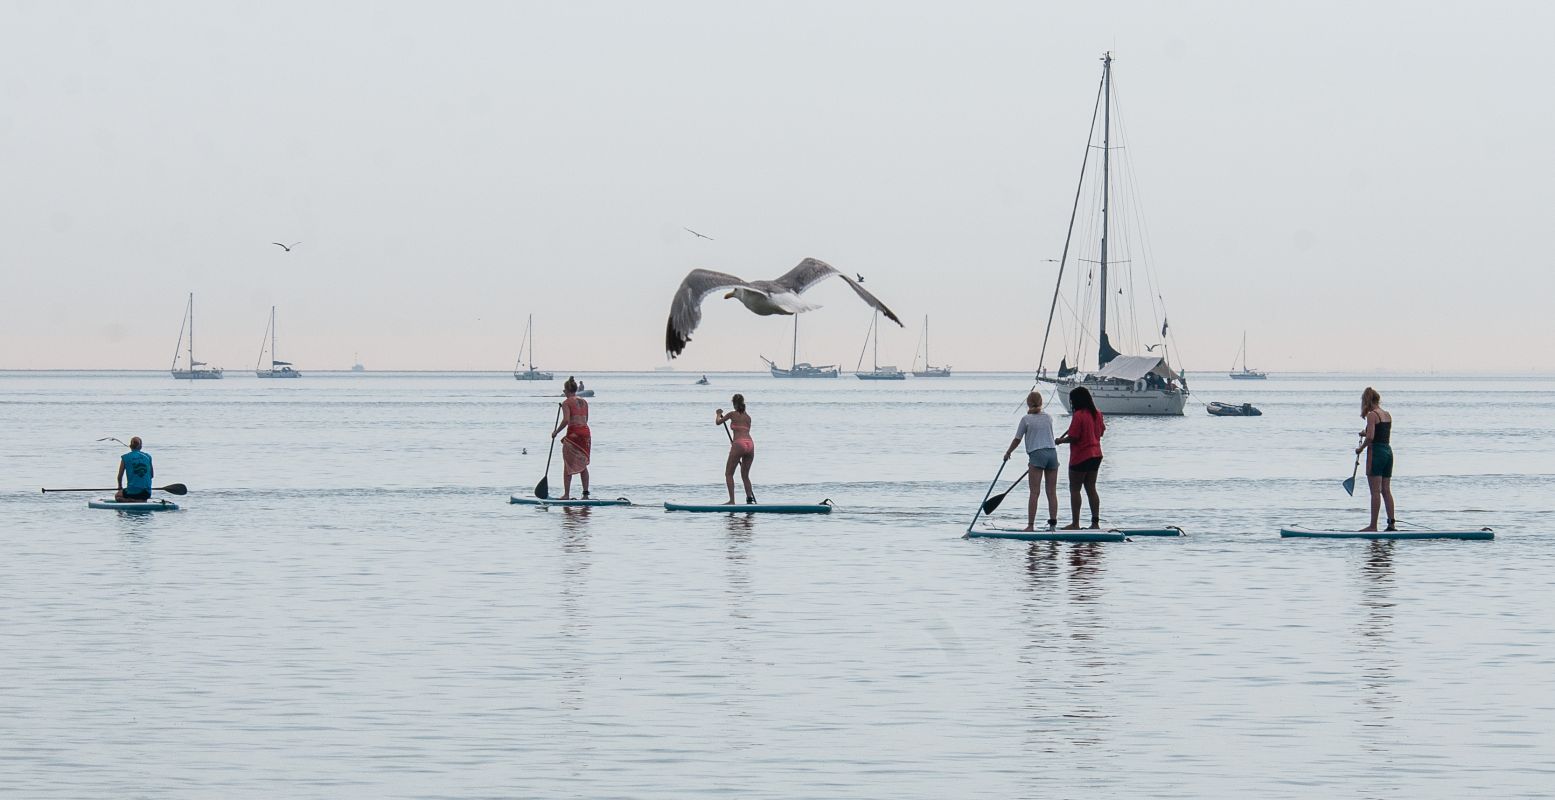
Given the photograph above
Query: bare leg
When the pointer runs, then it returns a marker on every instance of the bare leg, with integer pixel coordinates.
(585, 475)
(745, 475)
(1051, 478)
(1075, 479)
(1376, 501)
(1094, 498)
(729, 465)
(566, 485)
(1387, 498)
(1034, 482)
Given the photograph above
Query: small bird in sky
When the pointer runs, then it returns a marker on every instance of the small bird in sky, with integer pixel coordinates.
(698, 235)
(860, 277)
(286, 247)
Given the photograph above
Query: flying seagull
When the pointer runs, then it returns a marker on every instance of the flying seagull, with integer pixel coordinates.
(780, 296)
(698, 235)
(286, 247)
(860, 277)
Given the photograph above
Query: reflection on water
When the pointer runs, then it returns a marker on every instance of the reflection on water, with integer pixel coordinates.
(574, 631)
(1377, 662)
(1068, 678)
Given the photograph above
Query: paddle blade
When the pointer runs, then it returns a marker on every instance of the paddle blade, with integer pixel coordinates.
(176, 488)
(1349, 486)
(993, 502)
(543, 488)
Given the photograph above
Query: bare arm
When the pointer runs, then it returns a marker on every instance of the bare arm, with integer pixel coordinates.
(561, 424)
(718, 417)
(1369, 433)
(1014, 443)
(119, 479)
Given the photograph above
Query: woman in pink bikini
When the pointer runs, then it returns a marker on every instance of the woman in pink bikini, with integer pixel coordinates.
(578, 444)
(742, 448)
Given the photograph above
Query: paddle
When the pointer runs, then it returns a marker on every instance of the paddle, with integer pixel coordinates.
(993, 502)
(993, 483)
(172, 488)
(543, 488)
(1349, 483)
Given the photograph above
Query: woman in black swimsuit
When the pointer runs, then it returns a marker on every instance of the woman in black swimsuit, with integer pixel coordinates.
(1377, 441)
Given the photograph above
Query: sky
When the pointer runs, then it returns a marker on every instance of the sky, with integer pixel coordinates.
(1358, 186)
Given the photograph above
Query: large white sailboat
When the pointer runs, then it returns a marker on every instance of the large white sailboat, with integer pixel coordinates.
(929, 370)
(529, 374)
(275, 369)
(196, 370)
(1120, 384)
(797, 368)
(878, 373)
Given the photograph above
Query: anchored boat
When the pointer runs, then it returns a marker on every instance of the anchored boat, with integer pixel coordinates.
(1245, 374)
(197, 370)
(1219, 409)
(529, 374)
(1120, 384)
(928, 371)
(879, 373)
(277, 369)
(797, 368)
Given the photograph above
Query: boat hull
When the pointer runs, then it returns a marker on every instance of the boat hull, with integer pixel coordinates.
(277, 373)
(533, 375)
(1227, 410)
(1304, 533)
(197, 374)
(1120, 399)
(880, 376)
(932, 372)
(805, 373)
(1255, 376)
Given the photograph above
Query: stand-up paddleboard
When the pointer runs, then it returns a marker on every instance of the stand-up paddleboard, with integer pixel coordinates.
(135, 505)
(535, 501)
(1164, 530)
(1046, 536)
(823, 507)
(1305, 533)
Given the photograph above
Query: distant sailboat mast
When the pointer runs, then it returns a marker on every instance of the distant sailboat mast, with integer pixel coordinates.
(1103, 355)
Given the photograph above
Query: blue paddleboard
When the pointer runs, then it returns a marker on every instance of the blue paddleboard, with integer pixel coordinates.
(1304, 533)
(1046, 536)
(136, 505)
(823, 507)
(535, 501)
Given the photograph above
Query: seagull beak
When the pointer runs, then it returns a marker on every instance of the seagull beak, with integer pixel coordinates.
(729, 296)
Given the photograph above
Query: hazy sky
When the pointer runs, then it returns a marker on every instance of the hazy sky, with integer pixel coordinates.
(1358, 185)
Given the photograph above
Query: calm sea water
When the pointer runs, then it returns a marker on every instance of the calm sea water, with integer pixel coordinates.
(348, 606)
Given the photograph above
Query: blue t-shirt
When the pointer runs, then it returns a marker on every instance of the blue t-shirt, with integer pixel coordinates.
(137, 471)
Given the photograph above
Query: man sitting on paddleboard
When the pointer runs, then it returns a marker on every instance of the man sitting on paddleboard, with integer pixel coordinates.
(136, 465)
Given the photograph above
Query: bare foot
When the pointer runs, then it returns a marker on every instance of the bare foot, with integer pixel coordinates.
(730, 503)
(1028, 529)
(1073, 526)
(1369, 529)
(1095, 526)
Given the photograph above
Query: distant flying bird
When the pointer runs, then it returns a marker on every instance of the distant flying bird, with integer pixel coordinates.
(286, 247)
(1150, 347)
(860, 277)
(765, 298)
(698, 235)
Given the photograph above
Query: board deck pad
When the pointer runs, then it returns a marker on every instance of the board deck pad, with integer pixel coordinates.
(1305, 533)
(1047, 536)
(823, 507)
(535, 501)
(1163, 530)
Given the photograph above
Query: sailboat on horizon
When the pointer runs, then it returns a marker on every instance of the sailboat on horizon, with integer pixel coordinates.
(1245, 374)
(1120, 384)
(197, 370)
(530, 374)
(277, 369)
(928, 371)
(797, 368)
(879, 373)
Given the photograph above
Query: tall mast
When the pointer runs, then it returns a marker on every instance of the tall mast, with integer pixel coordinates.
(529, 333)
(793, 358)
(925, 341)
(874, 327)
(1106, 181)
(1244, 351)
(191, 331)
(272, 337)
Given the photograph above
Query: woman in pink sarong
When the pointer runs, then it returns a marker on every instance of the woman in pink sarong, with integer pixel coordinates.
(578, 442)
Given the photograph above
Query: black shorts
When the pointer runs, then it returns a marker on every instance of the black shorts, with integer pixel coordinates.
(146, 495)
(1087, 466)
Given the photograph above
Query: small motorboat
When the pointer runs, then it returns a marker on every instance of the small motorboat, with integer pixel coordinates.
(703, 381)
(1218, 409)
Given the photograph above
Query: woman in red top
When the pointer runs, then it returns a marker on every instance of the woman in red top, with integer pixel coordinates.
(1086, 427)
(578, 442)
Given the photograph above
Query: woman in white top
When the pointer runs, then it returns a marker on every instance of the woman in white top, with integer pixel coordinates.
(1041, 456)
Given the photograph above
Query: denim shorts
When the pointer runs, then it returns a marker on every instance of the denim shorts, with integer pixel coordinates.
(1043, 458)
